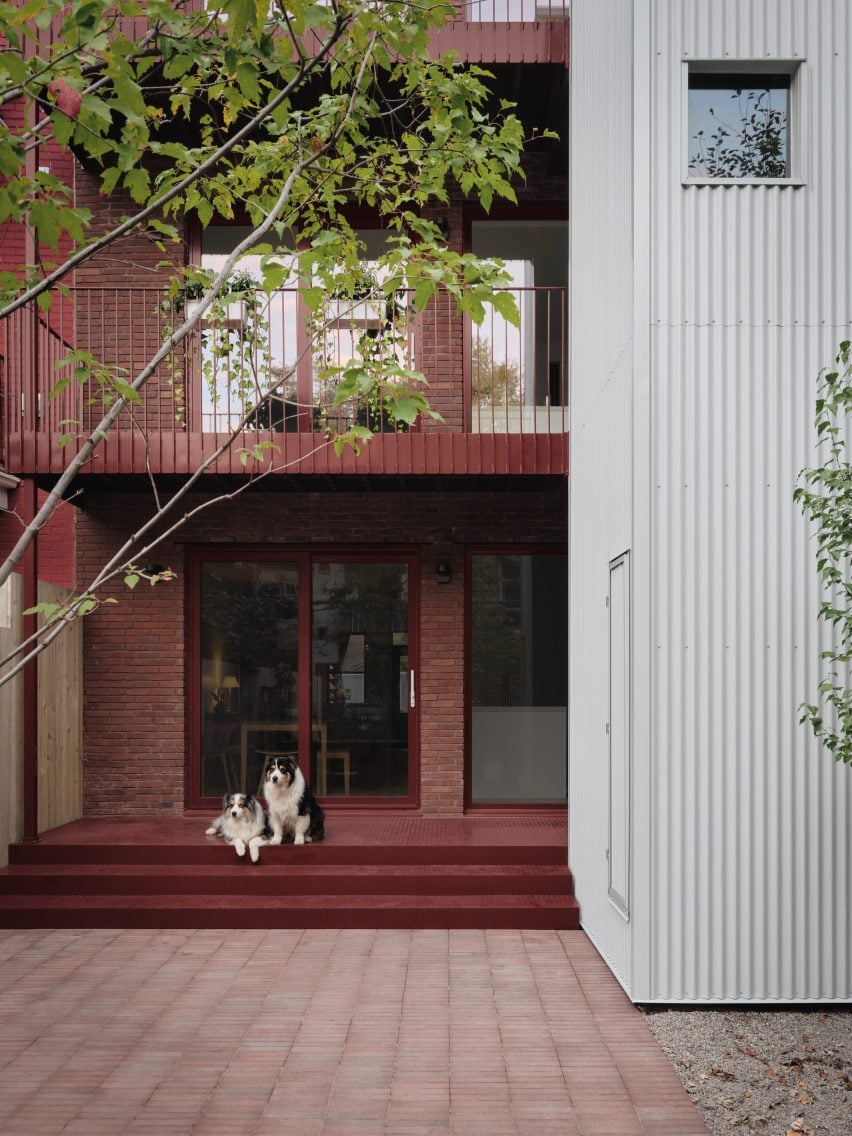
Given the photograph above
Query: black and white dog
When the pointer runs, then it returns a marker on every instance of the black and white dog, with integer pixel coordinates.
(242, 822)
(293, 811)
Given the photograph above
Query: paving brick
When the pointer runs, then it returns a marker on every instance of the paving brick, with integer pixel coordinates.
(144, 1073)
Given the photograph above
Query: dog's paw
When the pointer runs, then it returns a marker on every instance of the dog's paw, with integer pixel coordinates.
(276, 839)
(211, 832)
(254, 853)
(299, 839)
(240, 847)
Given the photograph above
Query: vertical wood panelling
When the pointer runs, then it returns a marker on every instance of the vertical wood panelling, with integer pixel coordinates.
(60, 738)
(11, 723)
(751, 293)
(60, 713)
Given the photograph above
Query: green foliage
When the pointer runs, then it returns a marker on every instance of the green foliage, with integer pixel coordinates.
(289, 115)
(825, 494)
(294, 114)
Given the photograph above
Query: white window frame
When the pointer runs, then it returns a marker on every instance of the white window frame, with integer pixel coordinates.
(796, 138)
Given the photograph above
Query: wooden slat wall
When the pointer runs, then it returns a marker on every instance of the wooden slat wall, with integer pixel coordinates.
(60, 723)
(11, 722)
(60, 737)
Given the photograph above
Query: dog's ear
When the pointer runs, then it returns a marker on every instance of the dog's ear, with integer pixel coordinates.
(248, 800)
(226, 800)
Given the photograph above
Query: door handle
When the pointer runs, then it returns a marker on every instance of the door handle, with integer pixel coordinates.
(412, 699)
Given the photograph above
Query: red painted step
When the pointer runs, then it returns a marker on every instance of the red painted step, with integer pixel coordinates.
(261, 879)
(388, 872)
(213, 851)
(525, 912)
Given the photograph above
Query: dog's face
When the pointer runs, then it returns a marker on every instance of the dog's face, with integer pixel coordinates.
(280, 771)
(240, 806)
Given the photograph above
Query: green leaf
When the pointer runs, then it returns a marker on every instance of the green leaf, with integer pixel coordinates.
(506, 305)
(127, 392)
(44, 217)
(137, 181)
(247, 77)
(48, 610)
(131, 580)
(11, 157)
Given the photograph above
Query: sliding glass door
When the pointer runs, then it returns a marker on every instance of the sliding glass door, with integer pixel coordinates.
(363, 684)
(305, 654)
(518, 678)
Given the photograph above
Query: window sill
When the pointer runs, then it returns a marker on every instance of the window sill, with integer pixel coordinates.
(781, 183)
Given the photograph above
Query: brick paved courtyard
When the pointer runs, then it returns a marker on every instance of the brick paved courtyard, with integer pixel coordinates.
(325, 1033)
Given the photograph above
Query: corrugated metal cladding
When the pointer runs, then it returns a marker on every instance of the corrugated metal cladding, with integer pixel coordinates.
(742, 878)
(751, 291)
(601, 345)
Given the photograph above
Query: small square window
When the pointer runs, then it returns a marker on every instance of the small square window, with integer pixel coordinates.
(738, 125)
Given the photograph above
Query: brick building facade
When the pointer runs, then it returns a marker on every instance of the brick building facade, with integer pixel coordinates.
(170, 720)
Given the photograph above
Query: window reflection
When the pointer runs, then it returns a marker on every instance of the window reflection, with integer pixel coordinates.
(519, 678)
(360, 679)
(249, 671)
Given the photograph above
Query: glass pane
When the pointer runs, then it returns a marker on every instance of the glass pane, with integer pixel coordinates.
(360, 680)
(511, 11)
(738, 126)
(360, 323)
(519, 679)
(518, 373)
(249, 343)
(249, 671)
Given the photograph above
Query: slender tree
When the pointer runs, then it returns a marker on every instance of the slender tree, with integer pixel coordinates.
(285, 113)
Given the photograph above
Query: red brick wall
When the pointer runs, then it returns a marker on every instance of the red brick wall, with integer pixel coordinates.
(55, 543)
(135, 658)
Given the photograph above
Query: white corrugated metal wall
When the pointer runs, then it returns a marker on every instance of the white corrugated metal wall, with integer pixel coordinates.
(741, 825)
(600, 394)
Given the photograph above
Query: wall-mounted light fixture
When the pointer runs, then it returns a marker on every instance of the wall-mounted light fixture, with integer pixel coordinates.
(443, 572)
(443, 227)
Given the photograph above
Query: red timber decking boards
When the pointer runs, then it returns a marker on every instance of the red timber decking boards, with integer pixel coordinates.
(404, 872)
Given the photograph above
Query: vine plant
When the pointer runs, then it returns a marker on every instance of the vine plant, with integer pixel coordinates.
(235, 359)
(825, 495)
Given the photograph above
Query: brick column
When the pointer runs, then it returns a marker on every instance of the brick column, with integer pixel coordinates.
(442, 686)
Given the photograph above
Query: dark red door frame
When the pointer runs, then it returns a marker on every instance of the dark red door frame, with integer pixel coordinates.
(305, 558)
(30, 626)
(492, 550)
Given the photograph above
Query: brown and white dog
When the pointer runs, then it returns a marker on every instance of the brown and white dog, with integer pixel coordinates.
(293, 811)
(242, 823)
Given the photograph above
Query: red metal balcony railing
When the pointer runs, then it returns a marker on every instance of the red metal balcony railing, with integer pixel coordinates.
(254, 367)
(507, 31)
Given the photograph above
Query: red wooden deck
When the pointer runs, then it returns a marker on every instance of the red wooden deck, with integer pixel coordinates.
(371, 871)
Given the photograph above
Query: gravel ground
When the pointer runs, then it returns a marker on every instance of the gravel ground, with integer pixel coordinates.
(778, 1072)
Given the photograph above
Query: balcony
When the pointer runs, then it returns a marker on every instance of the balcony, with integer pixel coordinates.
(507, 31)
(252, 369)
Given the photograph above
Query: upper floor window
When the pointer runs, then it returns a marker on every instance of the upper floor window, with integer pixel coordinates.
(518, 376)
(740, 122)
(516, 11)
